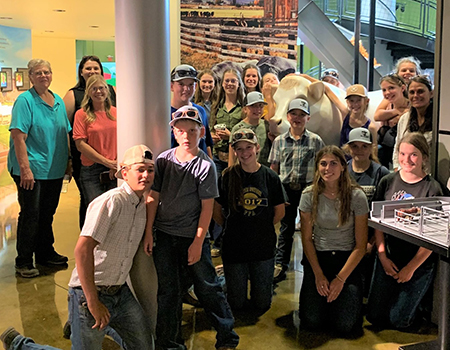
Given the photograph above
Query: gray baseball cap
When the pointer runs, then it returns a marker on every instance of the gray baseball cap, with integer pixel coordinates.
(183, 71)
(359, 134)
(299, 103)
(254, 97)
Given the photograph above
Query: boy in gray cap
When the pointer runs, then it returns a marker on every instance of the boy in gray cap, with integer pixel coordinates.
(292, 157)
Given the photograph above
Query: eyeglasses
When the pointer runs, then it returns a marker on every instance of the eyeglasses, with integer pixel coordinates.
(190, 113)
(98, 88)
(182, 73)
(42, 72)
(243, 135)
(230, 81)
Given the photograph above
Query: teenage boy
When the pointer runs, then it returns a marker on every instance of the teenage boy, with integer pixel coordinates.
(179, 211)
(183, 79)
(98, 294)
(292, 157)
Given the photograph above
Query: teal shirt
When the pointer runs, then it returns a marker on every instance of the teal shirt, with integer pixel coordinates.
(46, 128)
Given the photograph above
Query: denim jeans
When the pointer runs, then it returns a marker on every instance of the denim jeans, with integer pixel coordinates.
(90, 182)
(127, 319)
(34, 227)
(23, 343)
(343, 315)
(171, 256)
(287, 229)
(393, 304)
(260, 274)
(76, 169)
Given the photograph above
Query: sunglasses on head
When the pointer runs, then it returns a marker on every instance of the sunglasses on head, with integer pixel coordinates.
(189, 113)
(184, 74)
(243, 136)
(332, 73)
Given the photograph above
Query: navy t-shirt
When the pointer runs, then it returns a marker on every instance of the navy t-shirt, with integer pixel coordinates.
(206, 140)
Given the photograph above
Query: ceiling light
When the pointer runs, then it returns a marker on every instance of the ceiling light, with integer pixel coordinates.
(3, 17)
(49, 31)
(59, 10)
(95, 27)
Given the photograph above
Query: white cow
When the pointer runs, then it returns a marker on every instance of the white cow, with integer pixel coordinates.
(326, 119)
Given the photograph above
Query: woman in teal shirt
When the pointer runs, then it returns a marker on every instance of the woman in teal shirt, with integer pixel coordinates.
(37, 161)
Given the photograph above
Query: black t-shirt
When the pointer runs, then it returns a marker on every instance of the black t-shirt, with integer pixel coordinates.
(369, 179)
(249, 234)
(392, 188)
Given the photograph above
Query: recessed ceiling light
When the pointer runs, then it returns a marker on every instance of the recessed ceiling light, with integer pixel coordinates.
(6, 17)
(95, 27)
(49, 31)
(59, 10)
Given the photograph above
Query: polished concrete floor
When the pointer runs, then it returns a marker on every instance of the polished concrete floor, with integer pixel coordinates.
(38, 307)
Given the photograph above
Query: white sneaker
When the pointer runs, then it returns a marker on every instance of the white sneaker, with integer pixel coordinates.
(277, 270)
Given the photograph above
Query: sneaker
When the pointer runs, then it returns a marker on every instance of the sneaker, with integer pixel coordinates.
(55, 259)
(215, 252)
(219, 271)
(277, 271)
(8, 336)
(27, 271)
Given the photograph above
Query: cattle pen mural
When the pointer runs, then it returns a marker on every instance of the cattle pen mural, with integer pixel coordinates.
(237, 30)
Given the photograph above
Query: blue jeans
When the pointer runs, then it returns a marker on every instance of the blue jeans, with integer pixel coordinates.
(393, 304)
(220, 165)
(343, 315)
(287, 229)
(90, 182)
(171, 256)
(23, 343)
(260, 274)
(127, 319)
(34, 227)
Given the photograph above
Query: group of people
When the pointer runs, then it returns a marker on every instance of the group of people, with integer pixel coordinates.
(225, 169)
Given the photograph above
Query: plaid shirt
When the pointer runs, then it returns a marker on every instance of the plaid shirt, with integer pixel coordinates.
(116, 220)
(296, 157)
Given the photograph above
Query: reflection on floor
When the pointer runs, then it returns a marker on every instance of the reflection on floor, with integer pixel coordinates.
(38, 307)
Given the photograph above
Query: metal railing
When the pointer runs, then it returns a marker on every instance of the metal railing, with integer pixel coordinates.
(412, 16)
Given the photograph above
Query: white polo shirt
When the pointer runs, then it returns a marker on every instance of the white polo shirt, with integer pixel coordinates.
(116, 220)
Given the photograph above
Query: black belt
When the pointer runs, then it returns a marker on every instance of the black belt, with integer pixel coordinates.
(108, 290)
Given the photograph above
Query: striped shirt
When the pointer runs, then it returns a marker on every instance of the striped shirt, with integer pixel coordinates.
(296, 157)
(116, 220)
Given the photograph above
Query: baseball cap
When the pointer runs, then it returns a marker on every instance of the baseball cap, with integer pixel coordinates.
(254, 97)
(356, 90)
(299, 103)
(183, 71)
(330, 72)
(243, 135)
(359, 134)
(186, 112)
(133, 155)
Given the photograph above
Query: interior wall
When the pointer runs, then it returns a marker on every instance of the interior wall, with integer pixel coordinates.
(60, 52)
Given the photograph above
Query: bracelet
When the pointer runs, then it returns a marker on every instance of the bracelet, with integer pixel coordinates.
(340, 278)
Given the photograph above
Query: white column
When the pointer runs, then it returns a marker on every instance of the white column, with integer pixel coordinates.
(143, 105)
(143, 74)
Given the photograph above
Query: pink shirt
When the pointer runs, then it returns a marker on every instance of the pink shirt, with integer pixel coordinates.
(101, 135)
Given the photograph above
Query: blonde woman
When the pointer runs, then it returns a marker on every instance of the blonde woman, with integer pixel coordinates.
(94, 132)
